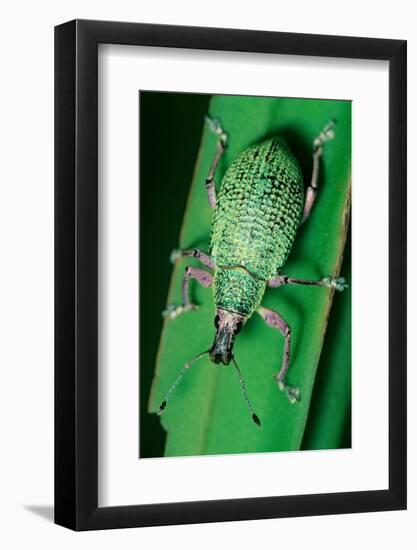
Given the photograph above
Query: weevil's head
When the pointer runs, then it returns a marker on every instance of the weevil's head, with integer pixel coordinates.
(228, 324)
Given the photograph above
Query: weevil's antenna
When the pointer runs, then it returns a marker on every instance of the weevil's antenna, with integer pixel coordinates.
(255, 417)
(184, 369)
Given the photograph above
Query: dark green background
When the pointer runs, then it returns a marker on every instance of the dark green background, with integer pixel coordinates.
(170, 133)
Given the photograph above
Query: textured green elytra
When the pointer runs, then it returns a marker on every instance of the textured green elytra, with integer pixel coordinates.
(259, 208)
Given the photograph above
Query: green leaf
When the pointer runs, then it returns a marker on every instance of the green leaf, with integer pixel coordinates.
(206, 414)
(329, 419)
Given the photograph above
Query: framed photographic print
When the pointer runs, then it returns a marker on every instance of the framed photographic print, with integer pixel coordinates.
(230, 274)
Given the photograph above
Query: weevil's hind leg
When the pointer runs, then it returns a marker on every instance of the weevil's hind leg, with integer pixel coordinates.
(215, 126)
(192, 253)
(203, 277)
(274, 320)
(326, 134)
(338, 283)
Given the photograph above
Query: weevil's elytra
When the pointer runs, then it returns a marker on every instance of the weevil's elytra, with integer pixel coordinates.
(257, 212)
(259, 209)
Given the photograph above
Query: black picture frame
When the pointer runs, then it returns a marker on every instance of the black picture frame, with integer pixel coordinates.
(76, 272)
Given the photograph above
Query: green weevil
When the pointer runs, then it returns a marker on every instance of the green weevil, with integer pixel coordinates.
(257, 213)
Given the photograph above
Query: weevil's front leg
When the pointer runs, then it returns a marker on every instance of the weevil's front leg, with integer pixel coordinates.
(193, 253)
(338, 283)
(274, 320)
(214, 125)
(203, 277)
(326, 134)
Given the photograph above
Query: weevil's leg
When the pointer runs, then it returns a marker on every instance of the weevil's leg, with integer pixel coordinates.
(338, 283)
(193, 253)
(214, 125)
(274, 320)
(326, 134)
(203, 277)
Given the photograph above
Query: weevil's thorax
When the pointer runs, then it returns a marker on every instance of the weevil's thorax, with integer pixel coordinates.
(235, 289)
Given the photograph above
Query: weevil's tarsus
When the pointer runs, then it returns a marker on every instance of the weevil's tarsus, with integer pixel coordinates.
(202, 257)
(274, 320)
(175, 255)
(215, 126)
(203, 277)
(338, 283)
(172, 311)
(293, 394)
(255, 417)
(325, 135)
(174, 386)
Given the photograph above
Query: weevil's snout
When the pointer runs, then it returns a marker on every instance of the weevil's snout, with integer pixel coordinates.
(221, 350)
(228, 324)
(217, 356)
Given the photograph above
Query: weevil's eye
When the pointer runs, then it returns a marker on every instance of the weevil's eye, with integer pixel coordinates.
(238, 327)
(216, 321)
